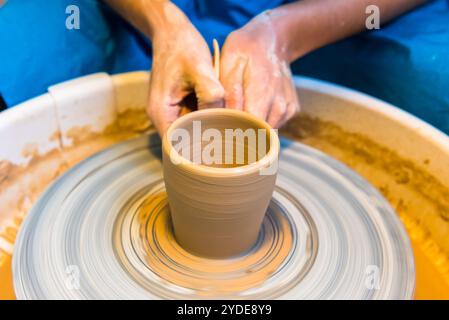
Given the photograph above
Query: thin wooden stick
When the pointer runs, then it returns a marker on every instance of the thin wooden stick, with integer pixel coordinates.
(216, 57)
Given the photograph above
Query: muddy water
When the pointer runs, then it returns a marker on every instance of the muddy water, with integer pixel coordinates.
(421, 201)
(20, 186)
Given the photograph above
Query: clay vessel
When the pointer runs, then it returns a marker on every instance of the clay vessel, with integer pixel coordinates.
(217, 208)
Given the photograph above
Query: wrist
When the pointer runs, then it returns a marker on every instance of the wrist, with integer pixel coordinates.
(163, 17)
(269, 29)
(290, 49)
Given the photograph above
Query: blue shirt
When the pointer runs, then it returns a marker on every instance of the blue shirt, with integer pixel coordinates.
(405, 62)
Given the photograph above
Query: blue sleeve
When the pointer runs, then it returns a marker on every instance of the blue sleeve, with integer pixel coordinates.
(37, 50)
(405, 63)
(216, 19)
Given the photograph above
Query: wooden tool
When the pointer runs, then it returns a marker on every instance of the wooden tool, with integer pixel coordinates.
(216, 57)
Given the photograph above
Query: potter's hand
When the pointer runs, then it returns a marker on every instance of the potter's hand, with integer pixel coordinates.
(256, 74)
(182, 66)
(254, 64)
(182, 63)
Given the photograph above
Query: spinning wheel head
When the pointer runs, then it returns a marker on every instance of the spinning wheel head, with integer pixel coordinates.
(327, 234)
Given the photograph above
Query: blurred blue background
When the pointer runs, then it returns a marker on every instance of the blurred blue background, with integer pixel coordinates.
(405, 62)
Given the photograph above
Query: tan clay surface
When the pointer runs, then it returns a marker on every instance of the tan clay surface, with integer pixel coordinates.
(21, 186)
(420, 199)
(174, 254)
(230, 228)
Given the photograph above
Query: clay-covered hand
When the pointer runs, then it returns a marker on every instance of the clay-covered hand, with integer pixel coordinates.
(256, 74)
(182, 66)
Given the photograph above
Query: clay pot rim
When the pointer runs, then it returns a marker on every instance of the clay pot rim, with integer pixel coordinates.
(204, 170)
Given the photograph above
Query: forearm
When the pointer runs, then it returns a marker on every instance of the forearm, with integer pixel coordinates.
(149, 16)
(306, 25)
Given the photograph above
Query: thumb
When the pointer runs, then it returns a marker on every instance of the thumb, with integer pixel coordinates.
(209, 91)
(233, 82)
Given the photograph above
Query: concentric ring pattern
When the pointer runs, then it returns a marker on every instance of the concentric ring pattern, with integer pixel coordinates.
(103, 231)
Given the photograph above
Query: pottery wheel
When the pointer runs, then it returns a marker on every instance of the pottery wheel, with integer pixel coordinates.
(103, 231)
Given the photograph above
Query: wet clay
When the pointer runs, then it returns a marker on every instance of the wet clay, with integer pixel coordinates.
(169, 260)
(119, 194)
(20, 186)
(419, 198)
(217, 211)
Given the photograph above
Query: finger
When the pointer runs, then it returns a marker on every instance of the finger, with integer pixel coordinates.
(291, 95)
(277, 112)
(258, 92)
(162, 115)
(209, 91)
(232, 79)
(291, 100)
(161, 109)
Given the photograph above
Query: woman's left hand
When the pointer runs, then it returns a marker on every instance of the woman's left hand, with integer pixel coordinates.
(255, 73)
